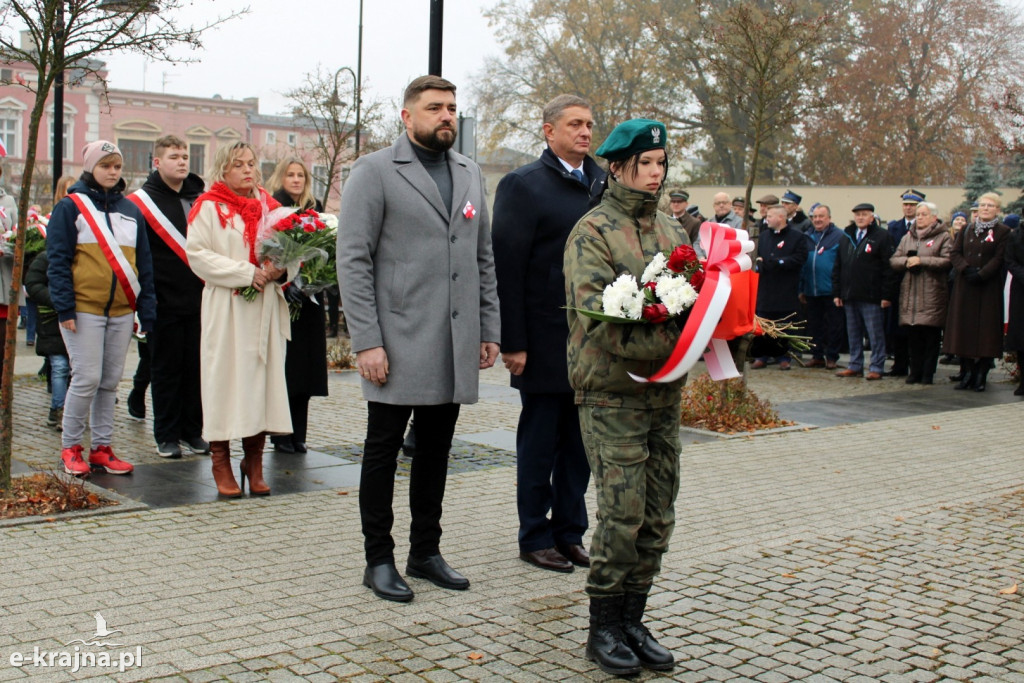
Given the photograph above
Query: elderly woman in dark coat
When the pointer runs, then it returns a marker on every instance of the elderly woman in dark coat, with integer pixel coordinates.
(974, 327)
(1015, 330)
(923, 254)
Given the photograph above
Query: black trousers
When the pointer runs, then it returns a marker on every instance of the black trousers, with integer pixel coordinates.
(924, 342)
(174, 372)
(385, 431)
(826, 325)
(552, 472)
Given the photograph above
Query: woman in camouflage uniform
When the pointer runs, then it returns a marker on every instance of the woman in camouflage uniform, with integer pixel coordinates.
(630, 429)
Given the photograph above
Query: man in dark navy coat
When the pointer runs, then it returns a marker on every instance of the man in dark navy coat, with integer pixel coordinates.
(535, 208)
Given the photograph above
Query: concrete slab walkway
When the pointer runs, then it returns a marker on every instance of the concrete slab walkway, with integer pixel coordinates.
(876, 549)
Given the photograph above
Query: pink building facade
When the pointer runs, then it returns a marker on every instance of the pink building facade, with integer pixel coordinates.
(134, 121)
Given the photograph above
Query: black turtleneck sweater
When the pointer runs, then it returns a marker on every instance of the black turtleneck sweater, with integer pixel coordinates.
(436, 164)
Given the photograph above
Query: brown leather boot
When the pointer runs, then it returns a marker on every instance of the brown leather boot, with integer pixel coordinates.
(220, 456)
(252, 465)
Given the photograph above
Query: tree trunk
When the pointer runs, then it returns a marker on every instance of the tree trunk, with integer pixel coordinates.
(11, 330)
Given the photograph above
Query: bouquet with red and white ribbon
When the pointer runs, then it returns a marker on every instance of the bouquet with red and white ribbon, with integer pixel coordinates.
(728, 253)
(668, 287)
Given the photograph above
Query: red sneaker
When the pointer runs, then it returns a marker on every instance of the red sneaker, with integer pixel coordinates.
(103, 456)
(74, 464)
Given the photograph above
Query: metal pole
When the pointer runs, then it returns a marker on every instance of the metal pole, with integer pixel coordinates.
(58, 99)
(359, 78)
(436, 26)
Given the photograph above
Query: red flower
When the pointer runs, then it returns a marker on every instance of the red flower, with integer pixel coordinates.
(681, 256)
(697, 279)
(655, 313)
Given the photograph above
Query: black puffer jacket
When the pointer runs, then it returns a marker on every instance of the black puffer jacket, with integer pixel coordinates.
(37, 284)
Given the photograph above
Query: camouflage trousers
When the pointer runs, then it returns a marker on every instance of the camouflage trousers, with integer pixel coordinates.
(634, 455)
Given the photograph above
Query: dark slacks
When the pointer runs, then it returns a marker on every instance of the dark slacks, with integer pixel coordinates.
(896, 340)
(385, 431)
(174, 373)
(552, 472)
(924, 342)
(298, 406)
(826, 325)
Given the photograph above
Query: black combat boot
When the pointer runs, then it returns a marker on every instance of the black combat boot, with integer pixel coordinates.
(639, 639)
(606, 644)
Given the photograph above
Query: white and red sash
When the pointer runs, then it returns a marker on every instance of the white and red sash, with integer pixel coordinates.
(728, 251)
(160, 223)
(111, 249)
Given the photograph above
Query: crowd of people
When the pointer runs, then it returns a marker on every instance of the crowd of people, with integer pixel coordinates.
(237, 348)
(913, 288)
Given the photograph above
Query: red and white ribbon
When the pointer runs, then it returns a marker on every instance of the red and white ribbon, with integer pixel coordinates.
(111, 249)
(1006, 302)
(159, 223)
(728, 251)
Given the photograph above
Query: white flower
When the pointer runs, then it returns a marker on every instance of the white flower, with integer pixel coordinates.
(655, 268)
(622, 299)
(676, 293)
(330, 220)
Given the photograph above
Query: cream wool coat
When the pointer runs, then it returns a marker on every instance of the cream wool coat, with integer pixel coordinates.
(242, 346)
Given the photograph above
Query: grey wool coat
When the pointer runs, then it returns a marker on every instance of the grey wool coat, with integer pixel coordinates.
(415, 280)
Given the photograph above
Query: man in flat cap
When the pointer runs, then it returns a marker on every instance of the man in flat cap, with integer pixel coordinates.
(764, 203)
(863, 285)
(679, 204)
(797, 219)
(896, 340)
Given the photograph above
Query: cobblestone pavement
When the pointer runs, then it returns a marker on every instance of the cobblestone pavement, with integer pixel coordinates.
(861, 552)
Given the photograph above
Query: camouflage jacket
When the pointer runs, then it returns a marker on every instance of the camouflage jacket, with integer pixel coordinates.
(620, 235)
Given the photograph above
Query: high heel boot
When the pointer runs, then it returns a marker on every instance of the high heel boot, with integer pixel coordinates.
(220, 457)
(981, 368)
(968, 374)
(252, 465)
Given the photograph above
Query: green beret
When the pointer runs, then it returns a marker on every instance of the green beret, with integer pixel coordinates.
(633, 137)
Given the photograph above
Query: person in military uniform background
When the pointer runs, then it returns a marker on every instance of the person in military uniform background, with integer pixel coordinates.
(630, 429)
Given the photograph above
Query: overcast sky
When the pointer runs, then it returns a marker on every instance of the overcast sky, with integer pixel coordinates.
(267, 51)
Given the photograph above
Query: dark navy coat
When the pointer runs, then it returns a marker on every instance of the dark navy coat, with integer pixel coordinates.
(782, 255)
(535, 208)
(862, 271)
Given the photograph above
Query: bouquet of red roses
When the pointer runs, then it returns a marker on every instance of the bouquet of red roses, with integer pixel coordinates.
(303, 244)
(668, 287)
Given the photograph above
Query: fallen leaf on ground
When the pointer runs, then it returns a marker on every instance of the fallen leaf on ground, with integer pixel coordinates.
(1009, 591)
(342, 493)
(475, 655)
(789, 576)
(936, 427)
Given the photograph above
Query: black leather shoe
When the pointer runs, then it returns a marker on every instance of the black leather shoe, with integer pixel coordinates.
(300, 446)
(435, 570)
(282, 444)
(576, 554)
(385, 582)
(548, 558)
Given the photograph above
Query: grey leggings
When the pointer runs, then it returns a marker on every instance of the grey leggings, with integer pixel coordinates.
(97, 350)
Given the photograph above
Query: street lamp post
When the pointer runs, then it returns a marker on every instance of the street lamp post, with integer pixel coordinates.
(335, 100)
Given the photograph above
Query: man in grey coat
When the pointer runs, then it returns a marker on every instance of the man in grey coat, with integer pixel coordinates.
(417, 277)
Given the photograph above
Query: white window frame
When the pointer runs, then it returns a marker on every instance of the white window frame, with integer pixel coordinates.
(69, 132)
(293, 139)
(13, 110)
(271, 137)
(319, 173)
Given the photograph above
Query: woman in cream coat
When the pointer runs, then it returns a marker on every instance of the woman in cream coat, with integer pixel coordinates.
(243, 342)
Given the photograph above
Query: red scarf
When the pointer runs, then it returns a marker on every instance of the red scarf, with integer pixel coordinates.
(229, 205)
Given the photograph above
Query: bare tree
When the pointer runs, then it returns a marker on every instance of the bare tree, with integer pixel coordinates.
(328, 106)
(761, 60)
(63, 35)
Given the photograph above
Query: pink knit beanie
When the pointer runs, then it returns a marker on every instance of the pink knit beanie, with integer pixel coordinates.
(94, 151)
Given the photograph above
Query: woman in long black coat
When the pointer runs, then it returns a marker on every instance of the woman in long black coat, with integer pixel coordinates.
(974, 326)
(1014, 257)
(305, 364)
